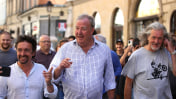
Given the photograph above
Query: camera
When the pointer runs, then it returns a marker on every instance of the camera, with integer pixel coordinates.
(130, 43)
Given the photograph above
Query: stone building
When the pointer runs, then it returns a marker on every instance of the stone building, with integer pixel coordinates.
(31, 17)
(125, 18)
(114, 18)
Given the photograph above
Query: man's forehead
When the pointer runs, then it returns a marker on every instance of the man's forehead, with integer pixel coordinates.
(4, 35)
(24, 43)
(44, 37)
(157, 32)
(83, 21)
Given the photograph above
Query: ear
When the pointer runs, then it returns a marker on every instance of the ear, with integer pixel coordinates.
(39, 43)
(33, 54)
(92, 31)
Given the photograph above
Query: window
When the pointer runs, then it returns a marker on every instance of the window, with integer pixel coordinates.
(148, 8)
(173, 23)
(97, 22)
(117, 26)
(146, 15)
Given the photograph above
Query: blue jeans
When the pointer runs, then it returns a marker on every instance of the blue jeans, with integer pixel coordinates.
(60, 94)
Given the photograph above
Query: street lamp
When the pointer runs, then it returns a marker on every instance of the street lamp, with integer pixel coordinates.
(49, 9)
(61, 12)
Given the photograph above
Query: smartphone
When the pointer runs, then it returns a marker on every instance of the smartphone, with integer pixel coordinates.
(6, 71)
(130, 43)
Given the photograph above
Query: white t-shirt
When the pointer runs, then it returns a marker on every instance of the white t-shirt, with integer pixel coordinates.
(149, 71)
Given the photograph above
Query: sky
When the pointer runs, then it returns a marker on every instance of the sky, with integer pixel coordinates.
(2, 11)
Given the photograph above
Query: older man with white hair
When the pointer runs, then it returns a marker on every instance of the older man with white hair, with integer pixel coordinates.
(147, 67)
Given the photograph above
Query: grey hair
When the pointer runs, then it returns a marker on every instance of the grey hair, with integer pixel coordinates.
(100, 38)
(153, 26)
(90, 18)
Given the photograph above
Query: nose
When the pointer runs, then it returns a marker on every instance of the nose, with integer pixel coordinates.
(156, 40)
(22, 53)
(79, 31)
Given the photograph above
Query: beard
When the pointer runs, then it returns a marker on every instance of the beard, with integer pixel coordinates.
(5, 46)
(155, 48)
(22, 61)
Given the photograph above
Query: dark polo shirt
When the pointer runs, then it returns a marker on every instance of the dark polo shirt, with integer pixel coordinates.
(44, 59)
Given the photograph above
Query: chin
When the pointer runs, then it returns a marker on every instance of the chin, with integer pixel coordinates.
(155, 48)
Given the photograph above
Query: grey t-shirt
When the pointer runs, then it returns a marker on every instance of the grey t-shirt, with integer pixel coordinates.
(149, 71)
(8, 57)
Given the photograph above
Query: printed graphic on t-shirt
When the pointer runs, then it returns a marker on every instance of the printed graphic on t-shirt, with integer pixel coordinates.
(159, 70)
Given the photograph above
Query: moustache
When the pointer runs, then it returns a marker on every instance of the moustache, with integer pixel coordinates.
(155, 44)
(23, 56)
(79, 35)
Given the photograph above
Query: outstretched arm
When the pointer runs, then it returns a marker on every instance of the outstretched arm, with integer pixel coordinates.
(122, 59)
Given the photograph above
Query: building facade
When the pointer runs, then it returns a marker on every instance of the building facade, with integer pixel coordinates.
(125, 18)
(31, 17)
(115, 19)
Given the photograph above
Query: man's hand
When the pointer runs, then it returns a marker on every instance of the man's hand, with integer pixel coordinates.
(48, 76)
(66, 63)
(169, 45)
(1, 70)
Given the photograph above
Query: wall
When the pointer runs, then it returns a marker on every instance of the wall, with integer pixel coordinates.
(105, 9)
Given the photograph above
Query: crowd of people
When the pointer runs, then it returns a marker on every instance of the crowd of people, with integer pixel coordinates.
(84, 67)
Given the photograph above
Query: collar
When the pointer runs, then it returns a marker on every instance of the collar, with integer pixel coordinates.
(40, 51)
(20, 71)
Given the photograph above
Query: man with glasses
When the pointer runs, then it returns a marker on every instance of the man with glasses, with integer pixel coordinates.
(44, 55)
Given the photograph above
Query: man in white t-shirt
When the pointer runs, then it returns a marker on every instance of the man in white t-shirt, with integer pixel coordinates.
(147, 68)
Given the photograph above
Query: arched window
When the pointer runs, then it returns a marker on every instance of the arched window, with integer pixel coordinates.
(97, 22)
(173, 23)
(148, 8)
(147, 12)
(3, 12)
(118, 23)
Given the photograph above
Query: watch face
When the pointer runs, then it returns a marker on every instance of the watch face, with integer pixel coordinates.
(174, 52)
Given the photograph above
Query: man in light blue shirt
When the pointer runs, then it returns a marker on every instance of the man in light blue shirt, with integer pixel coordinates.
(28, 80)
(84, 65)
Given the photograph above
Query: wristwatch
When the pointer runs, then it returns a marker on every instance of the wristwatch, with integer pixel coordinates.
(174, 52)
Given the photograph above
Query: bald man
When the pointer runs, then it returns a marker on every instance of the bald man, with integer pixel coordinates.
(44, 55)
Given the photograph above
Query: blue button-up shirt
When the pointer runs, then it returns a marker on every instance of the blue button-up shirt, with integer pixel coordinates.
(19, 86)
(88, 72)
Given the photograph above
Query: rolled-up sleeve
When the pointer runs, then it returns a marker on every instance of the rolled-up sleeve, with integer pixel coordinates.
(51, 95)
(109, 77)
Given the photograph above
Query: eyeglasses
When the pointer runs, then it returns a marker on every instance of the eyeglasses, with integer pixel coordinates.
(45, 41)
